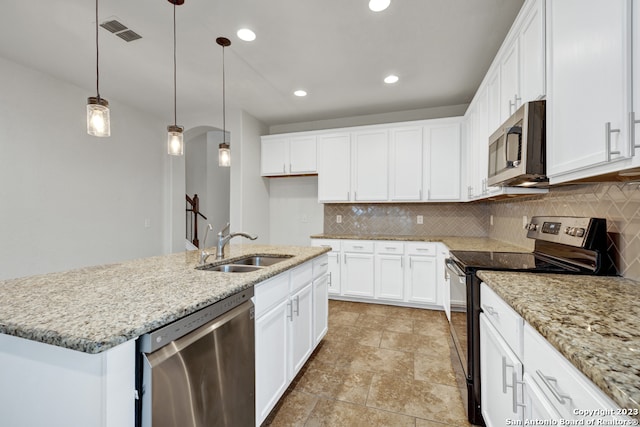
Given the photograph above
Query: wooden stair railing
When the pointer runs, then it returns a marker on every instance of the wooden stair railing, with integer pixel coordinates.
(191, 224)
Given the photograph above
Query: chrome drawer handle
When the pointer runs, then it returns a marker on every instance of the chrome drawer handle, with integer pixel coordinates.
(514, 402)
(607, 134)
(505, 365)
(547, 381)
(297, 306)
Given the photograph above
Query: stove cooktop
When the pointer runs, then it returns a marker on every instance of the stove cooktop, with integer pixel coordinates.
(516, 261)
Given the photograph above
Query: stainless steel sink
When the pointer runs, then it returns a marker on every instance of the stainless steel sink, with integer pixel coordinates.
(262, 260)
(231, 268)
(246, 264)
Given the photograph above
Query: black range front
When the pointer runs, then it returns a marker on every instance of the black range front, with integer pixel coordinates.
(566, 245)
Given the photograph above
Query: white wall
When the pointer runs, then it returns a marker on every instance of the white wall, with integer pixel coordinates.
(68, 199)
(294, 210)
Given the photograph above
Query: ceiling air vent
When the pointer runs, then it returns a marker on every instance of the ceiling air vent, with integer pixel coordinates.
(120, 30)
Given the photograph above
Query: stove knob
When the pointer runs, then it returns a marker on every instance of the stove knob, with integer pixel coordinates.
(567, 230)
(580, 232)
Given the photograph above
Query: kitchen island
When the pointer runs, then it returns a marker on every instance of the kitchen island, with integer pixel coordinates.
(593, 321)
(67, 340)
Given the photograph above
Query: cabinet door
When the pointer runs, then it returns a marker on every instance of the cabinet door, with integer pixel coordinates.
(510, 98)
(588, 83)
(406, 164)
(274, 156)
(334, 168)
(271, 358)
(334, 273)
(494, 99)
(635, 132)
(320, 308)
(389, 277)
(536, 405)
(301, 329)
(302, 155)
(443, 159)
(532, 53)
(371, 166)
(421, 279)
(500, 378)
(357, 277)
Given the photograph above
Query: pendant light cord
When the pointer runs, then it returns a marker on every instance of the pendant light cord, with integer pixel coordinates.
(175, 95)
(97, 57)
(224, 118)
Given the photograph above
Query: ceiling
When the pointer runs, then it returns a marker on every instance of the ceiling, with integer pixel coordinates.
(337, 50)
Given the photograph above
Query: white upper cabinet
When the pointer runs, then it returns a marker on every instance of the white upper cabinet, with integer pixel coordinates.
(334, 167)
(532, 52)
(283, 155)
(371, 165)
(510, 98)
(406, 164)
(442, 161)
(589, 83)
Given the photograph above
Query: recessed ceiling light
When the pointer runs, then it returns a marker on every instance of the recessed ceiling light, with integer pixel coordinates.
(246, 34)
(379, 5)
(391, 79)
(300, 92)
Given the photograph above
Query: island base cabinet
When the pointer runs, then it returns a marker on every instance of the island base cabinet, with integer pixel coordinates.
(321, 308)
(271, 358)
(300, 329)
(46, 385)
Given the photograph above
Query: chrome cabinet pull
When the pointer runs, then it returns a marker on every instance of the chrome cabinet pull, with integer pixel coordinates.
(607, 134)
(505, 365)
(284, 168)
(290, 307)
(515, 382)
(330, 279)
(632, 133)
(297, 305)
(548, 382)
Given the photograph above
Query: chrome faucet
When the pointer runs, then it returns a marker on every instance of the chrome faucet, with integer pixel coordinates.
(203, 254)
(223, 240)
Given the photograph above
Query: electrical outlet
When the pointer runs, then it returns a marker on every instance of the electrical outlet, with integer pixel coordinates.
(339, 219)
(491, 220)
(420, 219)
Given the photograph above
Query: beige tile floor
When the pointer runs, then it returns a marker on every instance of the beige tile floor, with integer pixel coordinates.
(378, 365)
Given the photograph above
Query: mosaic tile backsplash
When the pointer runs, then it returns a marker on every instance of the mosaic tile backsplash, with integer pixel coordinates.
(619, 203)
(441, 219)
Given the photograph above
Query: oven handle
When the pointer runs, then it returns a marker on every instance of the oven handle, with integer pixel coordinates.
(453, 267)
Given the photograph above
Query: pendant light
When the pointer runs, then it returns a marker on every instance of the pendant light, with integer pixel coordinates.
(98, 123)
(224, 152)
(175, 139)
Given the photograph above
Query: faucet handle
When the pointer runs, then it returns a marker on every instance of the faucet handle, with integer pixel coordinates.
(225, 228)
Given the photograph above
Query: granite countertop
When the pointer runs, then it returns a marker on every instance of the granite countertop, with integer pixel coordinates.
(453, 243)
(96, 308)
(593, 321)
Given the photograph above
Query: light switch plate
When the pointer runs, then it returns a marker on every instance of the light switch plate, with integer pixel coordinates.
(339, 219)
(420, 219)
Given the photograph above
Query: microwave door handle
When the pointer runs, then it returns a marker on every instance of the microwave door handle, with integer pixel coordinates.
(514, 130)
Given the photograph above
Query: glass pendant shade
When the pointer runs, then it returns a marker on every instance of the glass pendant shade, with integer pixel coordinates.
(224, 155)
(175, 140)
(98, 122)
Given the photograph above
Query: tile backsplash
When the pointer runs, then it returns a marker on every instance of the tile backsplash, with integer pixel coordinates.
(619, 203)
(439, 219)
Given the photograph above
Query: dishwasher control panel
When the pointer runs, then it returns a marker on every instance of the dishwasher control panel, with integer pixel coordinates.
(160, 337)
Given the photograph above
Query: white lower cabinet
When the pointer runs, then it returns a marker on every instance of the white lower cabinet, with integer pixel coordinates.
(526, 381)
(291, 318)
(501, 377)
(390, 272)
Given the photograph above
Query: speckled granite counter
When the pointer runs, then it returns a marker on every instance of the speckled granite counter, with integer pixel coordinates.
(453, 243)
(96, 308)
(593, 321)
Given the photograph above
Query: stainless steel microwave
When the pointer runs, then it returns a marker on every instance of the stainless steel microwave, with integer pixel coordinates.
(517, 150)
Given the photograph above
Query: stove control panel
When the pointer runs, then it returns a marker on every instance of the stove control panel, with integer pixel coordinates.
(571, 231)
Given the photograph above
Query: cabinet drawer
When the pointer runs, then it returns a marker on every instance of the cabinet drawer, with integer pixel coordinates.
(508, 323)
(320, 266)
(270, 292)
(301, 275)
(568, 389)
(421, 248)
(334, 244)
(389, 248)
(362, 246)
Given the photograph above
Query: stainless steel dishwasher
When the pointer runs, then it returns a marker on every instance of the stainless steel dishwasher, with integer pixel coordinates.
(200, 370)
